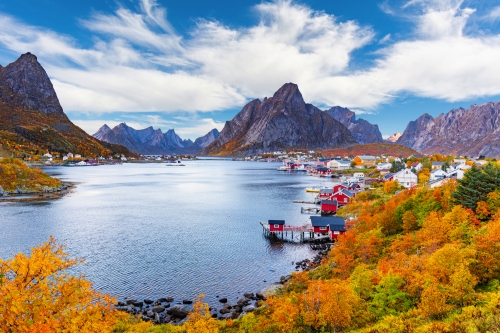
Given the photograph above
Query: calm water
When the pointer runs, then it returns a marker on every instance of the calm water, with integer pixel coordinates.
(148, 230)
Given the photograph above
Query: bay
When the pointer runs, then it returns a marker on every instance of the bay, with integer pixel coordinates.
(150, 231)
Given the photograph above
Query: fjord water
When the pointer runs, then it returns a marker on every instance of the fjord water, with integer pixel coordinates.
(151, 230)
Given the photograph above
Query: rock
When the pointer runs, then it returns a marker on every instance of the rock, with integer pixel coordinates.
(157, 319)
(249, 308)
(120, 303)
(130, 301)
(167, 319)
(226, 316)
(362, 130)
(148, 301)
(130, 309)
(260, 296)
(158, 308)
(160, 300)
(146, 318)
(243, 301)
(224, 311)
(248, 295)
(223, 300)
(169, 299)
(139, 304)
(186, 301)
(179, 311)
(150, 314)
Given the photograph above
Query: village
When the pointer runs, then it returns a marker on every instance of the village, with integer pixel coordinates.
(355, 175)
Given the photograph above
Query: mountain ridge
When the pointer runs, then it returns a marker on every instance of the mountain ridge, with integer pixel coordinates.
(280, 122)
(362, 130)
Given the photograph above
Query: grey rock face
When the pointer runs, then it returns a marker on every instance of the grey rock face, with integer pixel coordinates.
(31, 85)
(280, 122)
(471, 132)
(151, 141)
(207, 139)
(362, 130)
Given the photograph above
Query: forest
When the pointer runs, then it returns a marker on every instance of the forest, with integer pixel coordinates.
(419, 260)
(16, 174)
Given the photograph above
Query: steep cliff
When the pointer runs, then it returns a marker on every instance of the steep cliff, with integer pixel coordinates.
(471, 132)
(362, 130)
(283, 121)
(30, 109)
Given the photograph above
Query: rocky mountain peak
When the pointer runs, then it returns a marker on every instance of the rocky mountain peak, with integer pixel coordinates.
(27, 79)
(395, 137)
(362, 130)
(290, 94)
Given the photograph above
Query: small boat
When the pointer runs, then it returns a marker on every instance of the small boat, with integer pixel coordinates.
(312, 189)
(283, 168)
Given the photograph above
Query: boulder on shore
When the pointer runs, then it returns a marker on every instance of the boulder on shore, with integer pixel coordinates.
(179, 311)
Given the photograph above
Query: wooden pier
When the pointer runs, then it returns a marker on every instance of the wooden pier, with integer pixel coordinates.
(310, 210)
(298, 231)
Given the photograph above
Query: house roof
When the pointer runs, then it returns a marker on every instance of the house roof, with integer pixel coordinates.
(348, 193)
(414, 164)
(326, 190)
(437, 163)
(323, 169)
(329, 202)
(366, 157)
(335, 222)
(276, 221)
(388, 175)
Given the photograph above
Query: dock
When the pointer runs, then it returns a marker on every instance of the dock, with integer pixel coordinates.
(316, 201)
(300, 232)
(310, 210)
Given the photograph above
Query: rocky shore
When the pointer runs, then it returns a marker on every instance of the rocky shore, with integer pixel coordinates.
(167, 310)
(44, 193)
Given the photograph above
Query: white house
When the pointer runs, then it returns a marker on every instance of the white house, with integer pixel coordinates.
(438, 174)
(406, 178)
(65, 158)
(338, 164)
(417, 166)
(437, 165)
(70, 155)
(48, 155)
(384, 166)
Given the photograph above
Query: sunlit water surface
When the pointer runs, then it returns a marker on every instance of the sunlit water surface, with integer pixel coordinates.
(150, 231)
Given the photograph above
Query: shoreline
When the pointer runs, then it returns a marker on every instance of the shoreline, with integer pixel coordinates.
(50, 194)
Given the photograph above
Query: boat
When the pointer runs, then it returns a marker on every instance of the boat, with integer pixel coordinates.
(312, 189)
(283, 168)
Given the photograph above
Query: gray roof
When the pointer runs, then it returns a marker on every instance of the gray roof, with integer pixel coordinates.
(348, 193)
(326, 190)
(335, 222)
(329, 202)
(276, 221)
(437, 163)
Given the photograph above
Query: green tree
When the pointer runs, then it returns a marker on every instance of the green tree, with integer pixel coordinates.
(471, 189)
(388, 299)
(397, 166)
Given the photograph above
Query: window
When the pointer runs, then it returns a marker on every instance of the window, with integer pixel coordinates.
(276, 226)
(336, 232)
(322, 228)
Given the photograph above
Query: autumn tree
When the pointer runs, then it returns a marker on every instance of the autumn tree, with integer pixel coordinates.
(39, 296)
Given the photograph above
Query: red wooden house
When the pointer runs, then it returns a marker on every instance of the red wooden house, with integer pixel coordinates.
(342, 196)
(329, 207)
(324, 171)
(338, 187)
(326, 192)
(331, 225)
(276, 225)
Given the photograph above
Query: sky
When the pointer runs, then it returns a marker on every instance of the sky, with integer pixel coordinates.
(191, 65)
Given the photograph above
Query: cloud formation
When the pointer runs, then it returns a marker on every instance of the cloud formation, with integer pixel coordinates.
(140, 63)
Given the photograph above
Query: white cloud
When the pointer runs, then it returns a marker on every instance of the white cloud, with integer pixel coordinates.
(494, 14)
(140, 63)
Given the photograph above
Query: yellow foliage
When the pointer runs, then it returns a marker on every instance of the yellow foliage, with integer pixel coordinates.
(39, 296)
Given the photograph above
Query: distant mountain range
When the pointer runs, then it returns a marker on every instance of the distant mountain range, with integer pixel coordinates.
(362, 130)
(283, 121)
(149, 141)
(32, 119)
(467, 132)
(395, 137)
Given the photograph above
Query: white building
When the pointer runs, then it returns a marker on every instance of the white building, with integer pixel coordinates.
(406, 178)
(384, 166)
(339, 165)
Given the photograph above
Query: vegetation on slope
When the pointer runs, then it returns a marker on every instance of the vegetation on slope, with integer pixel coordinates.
(422, 260)
(374, 149)
(14, 173)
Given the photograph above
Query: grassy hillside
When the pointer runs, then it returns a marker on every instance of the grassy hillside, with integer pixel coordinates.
(14, 173)
(373, 149)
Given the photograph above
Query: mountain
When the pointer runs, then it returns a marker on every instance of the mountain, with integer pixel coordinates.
(281, 122)
(471, 132)
(207, 139)
(395, 137)
(31, 118)
(149, 141)
(362, 130)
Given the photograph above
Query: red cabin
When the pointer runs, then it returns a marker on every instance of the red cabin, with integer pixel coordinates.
(342, 196)
(276, 225)
(326, 192)
(339, 187)
(331, 225)
(329, 207)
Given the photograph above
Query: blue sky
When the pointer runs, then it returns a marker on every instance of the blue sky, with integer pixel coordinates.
(192, 65)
